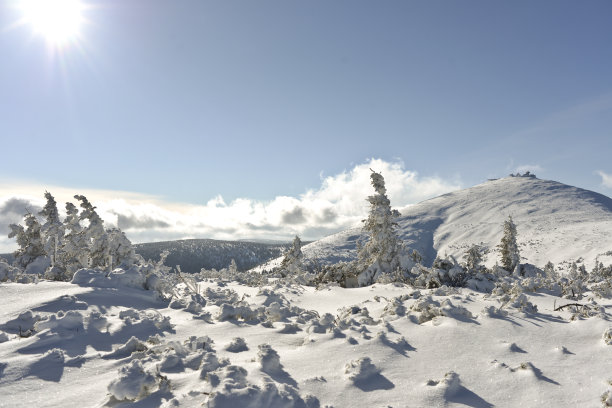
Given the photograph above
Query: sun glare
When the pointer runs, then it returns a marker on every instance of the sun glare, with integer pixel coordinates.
(58, 21)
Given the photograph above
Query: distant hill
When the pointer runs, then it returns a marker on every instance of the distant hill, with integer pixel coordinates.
(555, 222)
(195, 254)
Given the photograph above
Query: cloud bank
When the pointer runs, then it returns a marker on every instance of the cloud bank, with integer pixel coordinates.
(339, 203)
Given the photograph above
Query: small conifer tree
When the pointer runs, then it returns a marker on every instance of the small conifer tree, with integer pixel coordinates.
(52, 231)
(510, 255)
(292, 262)
(380, 254)
(473, 258)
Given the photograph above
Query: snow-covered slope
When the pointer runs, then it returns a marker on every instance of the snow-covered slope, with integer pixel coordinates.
(555, 222)
(65, 345)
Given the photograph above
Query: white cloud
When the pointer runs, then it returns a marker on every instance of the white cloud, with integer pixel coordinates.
(338, 204)
(606, 179)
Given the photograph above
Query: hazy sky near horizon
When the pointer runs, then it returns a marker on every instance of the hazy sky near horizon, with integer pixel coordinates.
(196, 102)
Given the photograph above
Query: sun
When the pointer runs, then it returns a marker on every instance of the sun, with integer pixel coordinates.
(58, 21)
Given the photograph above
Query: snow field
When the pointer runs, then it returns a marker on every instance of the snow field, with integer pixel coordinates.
(295, 346)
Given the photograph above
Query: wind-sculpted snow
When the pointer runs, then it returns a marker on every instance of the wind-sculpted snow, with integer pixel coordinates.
(226, 344)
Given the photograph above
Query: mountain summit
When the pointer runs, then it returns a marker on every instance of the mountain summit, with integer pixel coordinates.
(555, 222)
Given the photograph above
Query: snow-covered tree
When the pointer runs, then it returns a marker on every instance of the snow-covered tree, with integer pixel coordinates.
(120, 251)
(292, 262)
(381, 253)
(233, 267)
(473, 258)
(510, 255)
(94, 234)
(29, 240)
(550, 273)
(75, 251)
(52, 231)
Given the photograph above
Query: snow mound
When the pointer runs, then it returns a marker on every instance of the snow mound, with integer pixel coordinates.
(133, 382)
(237, 345)
(192, 303)
(8, 272)
(133, 345)
(132, 278)
(235, 391)
(64, 324)
(22, 324)
(269, 359)
(428, 309)
(493, 312)
(449, 385)
(360, 370)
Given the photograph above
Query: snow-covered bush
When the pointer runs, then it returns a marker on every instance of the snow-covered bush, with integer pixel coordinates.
(428, 309)
(523, 304)
(353, 316)
(8, 272)
(607, 336)
(341, 273)
(573, 285)
(606, 397)
(360, 370)
(395, 307)
(237, 345)
(426, 278)
(602, 289)
(134, 382)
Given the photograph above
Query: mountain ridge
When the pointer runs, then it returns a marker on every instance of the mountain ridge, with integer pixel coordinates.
(555, 222)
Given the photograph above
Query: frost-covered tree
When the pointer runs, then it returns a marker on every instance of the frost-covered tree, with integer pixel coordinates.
(473, 258)
(381, 252)
(75, 251)
(233, 267)
(510, 255)
(52, 231)
(29, 240)
(550, 273)
(292, 263)
(120, 251)
(94, 234)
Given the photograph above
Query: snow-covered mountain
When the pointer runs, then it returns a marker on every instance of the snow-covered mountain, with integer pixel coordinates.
(555, 222)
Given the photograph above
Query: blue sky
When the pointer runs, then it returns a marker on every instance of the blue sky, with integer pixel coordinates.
(185, 101)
